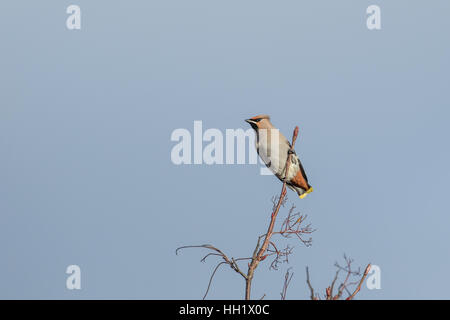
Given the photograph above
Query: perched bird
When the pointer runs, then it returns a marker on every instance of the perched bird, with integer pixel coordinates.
(275, 153)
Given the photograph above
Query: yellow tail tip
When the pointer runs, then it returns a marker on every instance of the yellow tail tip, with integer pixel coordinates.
(306, 193)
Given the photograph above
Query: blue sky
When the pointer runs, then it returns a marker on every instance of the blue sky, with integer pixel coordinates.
(86, 118)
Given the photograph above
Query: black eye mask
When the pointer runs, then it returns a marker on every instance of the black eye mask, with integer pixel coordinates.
(254, 126)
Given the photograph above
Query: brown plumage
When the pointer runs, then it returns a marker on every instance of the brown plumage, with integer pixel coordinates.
(273, 147)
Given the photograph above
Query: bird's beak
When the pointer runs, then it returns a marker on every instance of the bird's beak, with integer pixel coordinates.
(252, 123)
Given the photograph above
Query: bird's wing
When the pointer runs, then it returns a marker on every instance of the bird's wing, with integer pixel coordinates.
(295, 159)
(302, 170)
(300, 179)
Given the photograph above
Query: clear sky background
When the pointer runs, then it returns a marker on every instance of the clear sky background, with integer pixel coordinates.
(86, 118)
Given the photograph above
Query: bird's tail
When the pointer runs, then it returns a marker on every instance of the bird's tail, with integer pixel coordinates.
(304, 194)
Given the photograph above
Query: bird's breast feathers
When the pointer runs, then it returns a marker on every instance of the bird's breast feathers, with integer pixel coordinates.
(276, 160)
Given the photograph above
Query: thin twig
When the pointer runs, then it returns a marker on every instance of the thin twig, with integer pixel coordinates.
(287, 280)
(308, 282)
(217, 252)
(211, 278)
(344, 285)
(366, 272)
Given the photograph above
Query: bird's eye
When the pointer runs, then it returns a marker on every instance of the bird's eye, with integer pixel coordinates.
(257, 120)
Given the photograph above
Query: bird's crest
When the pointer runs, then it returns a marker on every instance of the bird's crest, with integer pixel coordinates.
(261, 116)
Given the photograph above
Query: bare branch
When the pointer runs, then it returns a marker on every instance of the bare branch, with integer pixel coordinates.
(334, 281)
(366, 272)
(287, 280)
(211, 278)
(329, 295)
(217, 252)
(311, 289)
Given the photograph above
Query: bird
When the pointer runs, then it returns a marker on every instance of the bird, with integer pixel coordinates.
(296, 178)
